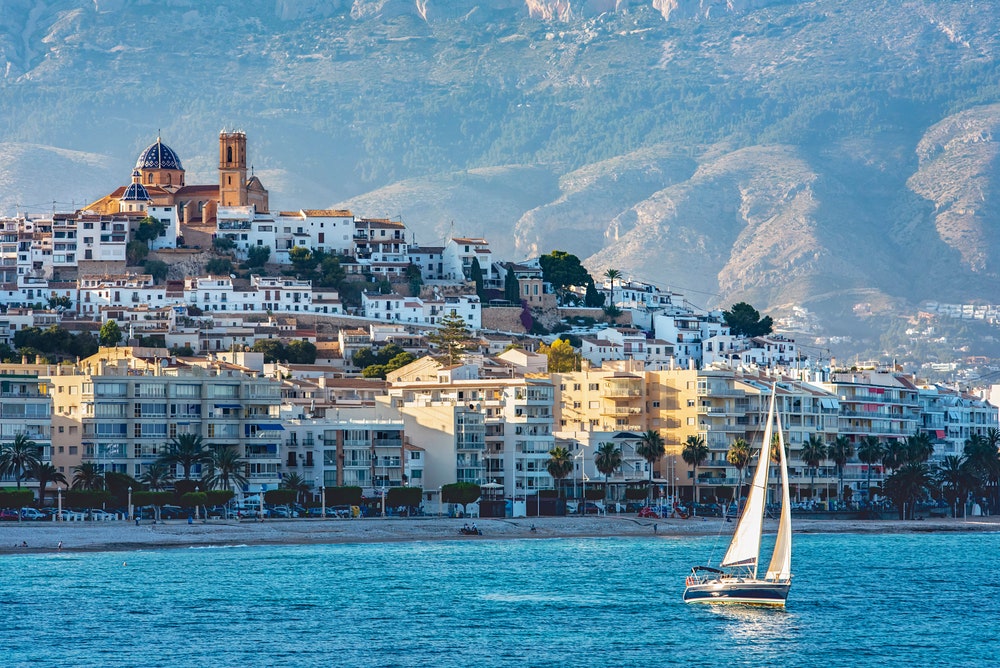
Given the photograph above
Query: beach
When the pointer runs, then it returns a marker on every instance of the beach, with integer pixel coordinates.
(105, 536)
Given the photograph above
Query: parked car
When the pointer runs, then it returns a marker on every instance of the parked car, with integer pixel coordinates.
(33, 514)
(588, 508)
(8, 515)
(172, 513)
(648, 512)
(98, 515)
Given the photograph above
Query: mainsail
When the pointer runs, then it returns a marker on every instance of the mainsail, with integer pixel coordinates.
(745, 546)
(780, 567)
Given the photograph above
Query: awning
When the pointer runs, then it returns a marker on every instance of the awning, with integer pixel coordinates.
(230, 406)
(270, 427)
(939, 433)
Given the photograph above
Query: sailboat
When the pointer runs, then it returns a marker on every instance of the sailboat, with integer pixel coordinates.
(736, 579)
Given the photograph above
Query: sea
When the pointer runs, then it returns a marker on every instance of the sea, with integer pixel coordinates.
(856, 600)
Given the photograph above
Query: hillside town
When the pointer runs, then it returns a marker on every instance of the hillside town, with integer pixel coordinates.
(329, 349)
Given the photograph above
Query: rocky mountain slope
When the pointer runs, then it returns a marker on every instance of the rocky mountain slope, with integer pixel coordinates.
(818, 152)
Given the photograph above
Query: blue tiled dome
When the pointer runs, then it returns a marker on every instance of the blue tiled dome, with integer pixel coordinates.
(136, 192)
(158, 156)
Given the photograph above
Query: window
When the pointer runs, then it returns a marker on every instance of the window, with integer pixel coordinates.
(593, 387)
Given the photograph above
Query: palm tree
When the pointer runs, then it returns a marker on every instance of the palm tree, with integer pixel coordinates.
(560, 463)
(739, 457)
(185, 450)
(651, 447)
(981, 458)
(157, 477)
(18, 457)
(612, 275)
(813, 452)
(955, 479)
(895, 454)
(607, 458)
(870, 451)
(906, 485)
(695, 452)
(919, 448)
(840, 450)
(44, 473)
(296, 482)
(88, 476)
(225, 469)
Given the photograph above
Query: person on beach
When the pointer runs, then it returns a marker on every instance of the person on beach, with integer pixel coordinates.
(59, 547)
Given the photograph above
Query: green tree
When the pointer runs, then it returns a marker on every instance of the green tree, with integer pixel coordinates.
(562, 270)
(870, 452)
(149, 229)
(223, 244)
(607, 458)
(136, 252)
(452, 339)
(955, 480)
(744, 320)
(695, 452)
(982, 460)
(612, 275)
(219, 266)
(414, 278)
(45, 473)
(302, 260)
(906, 485)
(462, 493)
(840, 451)
(225, 469)
(88, 477)
(300, 352)
(157, 269)
(511, 288)
(257, 256)
(110, 334)
(186, 451)
(813, 452)
(157, 477)
(593, 298)
(298, 484)
(18, 456)
(651, 447)
(739, 456)
(60, 301)
(273, 349)
(476, 275)
(562, 357)
(560, 464)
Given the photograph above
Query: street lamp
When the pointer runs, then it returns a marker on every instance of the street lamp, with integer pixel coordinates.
(59, 515)
(196, 490)
(130, 513)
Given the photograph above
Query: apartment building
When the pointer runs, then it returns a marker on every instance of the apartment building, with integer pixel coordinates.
(475, 429)
(120, 407)
(26, 409)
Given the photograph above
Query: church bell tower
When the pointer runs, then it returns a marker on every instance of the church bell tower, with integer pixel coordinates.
(232, 169)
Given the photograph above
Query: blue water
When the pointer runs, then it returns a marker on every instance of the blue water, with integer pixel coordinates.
(857, 601)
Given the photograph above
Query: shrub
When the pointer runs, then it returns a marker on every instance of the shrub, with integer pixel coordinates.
(16, 498)
(87, 498)
(343, 496)
(636, 493)
(404, 496)
(219, 497)
(192, 499)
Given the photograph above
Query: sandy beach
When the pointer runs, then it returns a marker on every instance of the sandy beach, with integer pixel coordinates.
(103, 536)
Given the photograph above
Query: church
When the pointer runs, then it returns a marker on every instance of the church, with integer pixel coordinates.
(159, 185)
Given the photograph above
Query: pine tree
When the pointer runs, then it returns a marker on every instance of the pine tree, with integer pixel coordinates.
(452, 339)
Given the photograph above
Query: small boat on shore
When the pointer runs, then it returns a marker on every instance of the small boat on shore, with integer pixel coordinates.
(736, 579)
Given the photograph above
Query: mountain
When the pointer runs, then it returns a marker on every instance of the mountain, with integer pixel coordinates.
(821, 153)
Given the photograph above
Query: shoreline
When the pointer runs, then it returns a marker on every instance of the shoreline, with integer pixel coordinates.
(44, 537)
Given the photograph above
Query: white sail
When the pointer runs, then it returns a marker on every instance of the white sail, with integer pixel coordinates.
(780, 567)
(745, 546)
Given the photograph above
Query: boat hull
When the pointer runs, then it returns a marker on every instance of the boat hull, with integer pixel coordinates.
(746, 592)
